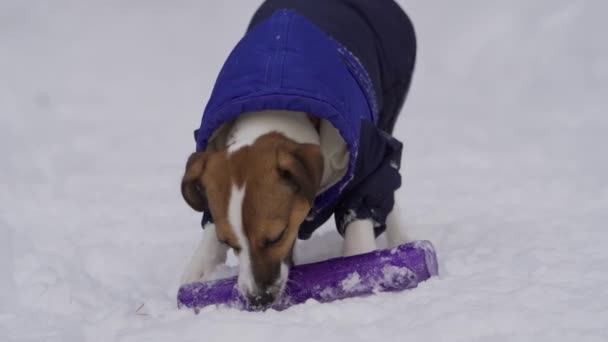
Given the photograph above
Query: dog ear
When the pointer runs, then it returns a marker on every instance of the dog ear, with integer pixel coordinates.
(302, 168)
(192, 187)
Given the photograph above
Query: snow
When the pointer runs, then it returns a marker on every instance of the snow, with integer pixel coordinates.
(397, 274)
(351, 282)
(504, 170)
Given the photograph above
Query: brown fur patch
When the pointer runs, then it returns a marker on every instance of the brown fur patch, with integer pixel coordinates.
(281, 178)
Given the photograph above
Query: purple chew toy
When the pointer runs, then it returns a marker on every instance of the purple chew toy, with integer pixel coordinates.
(395, 269)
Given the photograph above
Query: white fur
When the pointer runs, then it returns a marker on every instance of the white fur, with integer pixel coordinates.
(246, 282)
(207, 256)
(395, 231)
(359, 238)
(250, 126)
(282, 280)
(335, 155)
(359, 235)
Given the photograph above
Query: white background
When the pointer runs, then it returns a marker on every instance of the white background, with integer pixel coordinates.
(505, 170)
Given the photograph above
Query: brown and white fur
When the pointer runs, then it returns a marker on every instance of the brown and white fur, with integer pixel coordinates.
(259, 185)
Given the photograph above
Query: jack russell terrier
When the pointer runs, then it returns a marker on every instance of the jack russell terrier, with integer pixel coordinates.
(297, 128)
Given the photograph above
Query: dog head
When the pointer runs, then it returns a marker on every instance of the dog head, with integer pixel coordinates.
(258, 196)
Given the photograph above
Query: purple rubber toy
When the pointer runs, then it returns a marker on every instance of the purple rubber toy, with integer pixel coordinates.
(395, 269)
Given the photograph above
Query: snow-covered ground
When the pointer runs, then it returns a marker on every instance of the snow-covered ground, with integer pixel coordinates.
(506, 131)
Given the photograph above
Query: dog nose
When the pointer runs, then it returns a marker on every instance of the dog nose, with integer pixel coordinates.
(261, 300)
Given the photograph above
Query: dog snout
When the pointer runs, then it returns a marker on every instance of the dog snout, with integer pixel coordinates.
(264, 296)
(265, 286)
(262, 299)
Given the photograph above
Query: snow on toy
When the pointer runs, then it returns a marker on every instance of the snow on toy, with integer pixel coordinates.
(395, 269)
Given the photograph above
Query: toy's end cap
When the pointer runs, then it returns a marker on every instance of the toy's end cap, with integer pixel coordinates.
(430, 256)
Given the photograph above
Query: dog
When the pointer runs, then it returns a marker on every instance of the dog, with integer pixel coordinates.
(298, 128)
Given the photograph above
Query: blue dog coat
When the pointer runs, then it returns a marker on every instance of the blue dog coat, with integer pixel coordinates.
(287, 62)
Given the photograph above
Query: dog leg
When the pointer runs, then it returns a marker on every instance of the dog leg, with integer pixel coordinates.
(359, 237)
(395, 231)
(209, 253)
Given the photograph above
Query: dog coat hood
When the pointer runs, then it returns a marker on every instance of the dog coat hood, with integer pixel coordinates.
(286, 62)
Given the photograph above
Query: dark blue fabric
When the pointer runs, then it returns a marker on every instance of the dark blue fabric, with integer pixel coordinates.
(286, 62)
(293, 62)
(378, 32)
(370, 194)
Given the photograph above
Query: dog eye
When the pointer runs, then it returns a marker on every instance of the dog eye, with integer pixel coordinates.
(275, 240)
